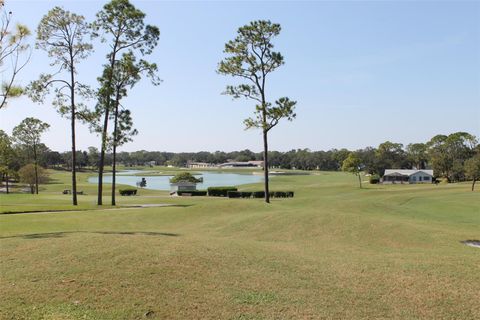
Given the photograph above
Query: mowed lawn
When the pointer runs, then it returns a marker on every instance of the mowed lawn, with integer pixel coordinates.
(332, 252)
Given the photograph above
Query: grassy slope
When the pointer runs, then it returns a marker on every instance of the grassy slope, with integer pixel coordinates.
(333, 251)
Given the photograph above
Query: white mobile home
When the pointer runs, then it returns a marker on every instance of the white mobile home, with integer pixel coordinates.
(407, 176)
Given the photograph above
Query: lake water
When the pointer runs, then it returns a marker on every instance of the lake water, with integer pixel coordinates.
(210, 179)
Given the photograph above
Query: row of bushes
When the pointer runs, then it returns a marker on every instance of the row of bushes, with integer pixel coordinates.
(127, 192)
(192, 193)
(220, 191)
(260, 194)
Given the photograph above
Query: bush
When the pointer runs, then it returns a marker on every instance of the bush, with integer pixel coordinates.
(374, 179)
(127, 192)
(239, 194)
(233, 194)
(290, 194)
(220, 191)
(280, 194)
(246, 194)
(259, 194)
(192, 193)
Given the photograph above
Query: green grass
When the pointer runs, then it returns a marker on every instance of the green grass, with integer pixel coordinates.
(332, 252)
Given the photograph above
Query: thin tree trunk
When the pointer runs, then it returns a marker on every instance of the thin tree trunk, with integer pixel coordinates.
(101, 163)
(360, 180)
(114, 156)
(74, 152)
(6, 182)
(35, 166)
(265, 166)
(473, 184)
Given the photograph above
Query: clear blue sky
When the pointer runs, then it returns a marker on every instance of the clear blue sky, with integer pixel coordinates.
(362, 73)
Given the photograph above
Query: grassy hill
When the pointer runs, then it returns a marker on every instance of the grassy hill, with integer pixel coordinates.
(332, 252)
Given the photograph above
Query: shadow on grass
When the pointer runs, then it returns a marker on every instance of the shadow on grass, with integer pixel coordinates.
(133, 206)
(48, 235)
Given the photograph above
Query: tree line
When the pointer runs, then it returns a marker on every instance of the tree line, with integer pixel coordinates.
(450, 156)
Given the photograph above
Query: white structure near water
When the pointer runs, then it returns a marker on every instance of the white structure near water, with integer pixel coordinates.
(407, 176)
(182, 186)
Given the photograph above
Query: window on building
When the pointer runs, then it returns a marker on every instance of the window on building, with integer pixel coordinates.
(426, 178)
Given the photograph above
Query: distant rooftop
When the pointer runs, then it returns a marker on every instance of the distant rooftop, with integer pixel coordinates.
(406, 172)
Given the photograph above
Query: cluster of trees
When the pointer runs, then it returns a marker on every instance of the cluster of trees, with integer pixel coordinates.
(68, 38)
(455, 157)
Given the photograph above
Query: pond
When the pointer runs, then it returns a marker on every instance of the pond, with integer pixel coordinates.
(210, 179)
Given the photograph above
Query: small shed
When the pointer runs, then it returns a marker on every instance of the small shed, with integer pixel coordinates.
(183, 186)
(412, 176)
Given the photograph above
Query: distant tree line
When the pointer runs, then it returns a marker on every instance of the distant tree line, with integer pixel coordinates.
(447, 155)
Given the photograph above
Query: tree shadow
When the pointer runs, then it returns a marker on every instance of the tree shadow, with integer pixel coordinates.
(471, 243)
(62, 234)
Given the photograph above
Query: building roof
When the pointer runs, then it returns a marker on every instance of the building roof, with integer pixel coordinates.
(406, 172)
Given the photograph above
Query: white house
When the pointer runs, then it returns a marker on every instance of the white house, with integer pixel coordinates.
(407, 176)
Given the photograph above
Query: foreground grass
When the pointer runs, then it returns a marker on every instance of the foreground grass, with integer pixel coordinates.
(333, 251)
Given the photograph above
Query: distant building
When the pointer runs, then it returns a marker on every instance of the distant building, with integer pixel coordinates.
(407, 176)
(196, 165)
(150, 163)
(240, 164)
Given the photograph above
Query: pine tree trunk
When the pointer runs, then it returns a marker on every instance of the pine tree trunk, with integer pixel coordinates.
(74, 151)
(6, 182)
(360, 180)
(114, 156)
(473, 184)
(105, 125)
(35, 167)
(265, 166)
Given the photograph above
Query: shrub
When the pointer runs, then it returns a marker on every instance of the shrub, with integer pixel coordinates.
(259, 194)
(239, 194)
(374, 179)
(233, 194)
(280, 194)
(246, 194)
(220, 191)
(290, 194)
(185, 177)
(127, 192)
(192, 193)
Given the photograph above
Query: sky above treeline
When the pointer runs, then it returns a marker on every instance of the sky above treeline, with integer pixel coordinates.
(362, 73)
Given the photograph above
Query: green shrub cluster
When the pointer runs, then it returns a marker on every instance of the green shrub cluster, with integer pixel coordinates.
(374, 179)
(127, 192)
(192, 193)
(260, 194)
(239, 194)
(281, 194)
(220, 191)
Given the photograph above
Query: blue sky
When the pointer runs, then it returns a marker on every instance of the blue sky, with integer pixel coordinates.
(362, 73)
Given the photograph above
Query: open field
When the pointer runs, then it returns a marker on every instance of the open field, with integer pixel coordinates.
(332, 252)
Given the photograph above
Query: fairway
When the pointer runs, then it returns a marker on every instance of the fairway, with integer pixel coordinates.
(334, 251)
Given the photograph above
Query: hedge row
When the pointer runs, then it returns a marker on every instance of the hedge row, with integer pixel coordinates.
(192, 193)
(260, 194)
(127, 192)
(220, 191)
